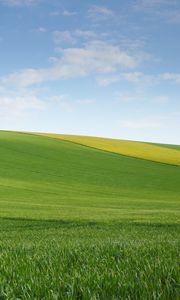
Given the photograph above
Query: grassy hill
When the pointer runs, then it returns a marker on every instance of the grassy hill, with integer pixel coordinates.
(82, 223)
(168, 154)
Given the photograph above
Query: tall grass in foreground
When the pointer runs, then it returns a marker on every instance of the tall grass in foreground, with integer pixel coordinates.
(59, 260)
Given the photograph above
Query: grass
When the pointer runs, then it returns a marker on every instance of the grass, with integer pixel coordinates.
(168, 154)
(78, 223)
(177, 147)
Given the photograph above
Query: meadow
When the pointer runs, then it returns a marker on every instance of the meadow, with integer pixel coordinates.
(167, 154)
(81, 223)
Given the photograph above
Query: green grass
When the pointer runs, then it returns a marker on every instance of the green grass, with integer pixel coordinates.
(176, 147)
(148, 151)
(78, 223)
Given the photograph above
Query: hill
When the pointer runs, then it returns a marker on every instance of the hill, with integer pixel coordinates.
(168, 154)
(78, 222)
(69, 174)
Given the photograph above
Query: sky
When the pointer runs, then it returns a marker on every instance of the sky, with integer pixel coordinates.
(100, 68)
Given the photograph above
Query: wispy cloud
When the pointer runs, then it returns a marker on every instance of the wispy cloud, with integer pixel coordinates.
(73, 36)
(23, 100)
(106, 81)
(140, 78)
(100, 12)
(104, 60)
(173, 77)
(41, 29)
(132, 77)
(127, 97)
(95, 57)
(61, 101)
(25, 78)
(65, 13)
(20, 102)
(68, 13)
(87, 34)
(63, 36)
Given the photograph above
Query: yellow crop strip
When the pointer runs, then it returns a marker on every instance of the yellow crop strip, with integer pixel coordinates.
(129, 148)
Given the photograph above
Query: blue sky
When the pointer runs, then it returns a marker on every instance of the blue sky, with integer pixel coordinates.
(101, 68)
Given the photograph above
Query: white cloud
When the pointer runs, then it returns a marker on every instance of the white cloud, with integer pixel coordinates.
(129, 97)
(140, 78)
(61, 101)
(22, 100)
(105, 81)
(68, 13)
(174, 77)
(65, 13)
(99, 56)
(16, 103)
(133, 77)
(85, 33)
(25, 78)
(72, 36)
(100, 12)
(63, 36)
(41, 29)
(96, 57)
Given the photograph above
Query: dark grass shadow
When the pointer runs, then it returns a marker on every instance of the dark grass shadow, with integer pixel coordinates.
(8, 223)
(12, 223)
(156, 225)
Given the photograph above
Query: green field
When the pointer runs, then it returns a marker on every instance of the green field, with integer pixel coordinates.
(81, 223)
(167, 154)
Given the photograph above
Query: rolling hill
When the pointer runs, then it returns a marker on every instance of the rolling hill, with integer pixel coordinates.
(168, 154)
(100, 209)
(72, 175)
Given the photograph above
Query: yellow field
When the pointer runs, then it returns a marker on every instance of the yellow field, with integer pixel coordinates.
(129, 148)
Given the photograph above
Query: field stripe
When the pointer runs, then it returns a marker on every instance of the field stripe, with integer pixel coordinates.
(169, 146)
(140, 150)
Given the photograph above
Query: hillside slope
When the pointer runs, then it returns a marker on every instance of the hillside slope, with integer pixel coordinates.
(160, 153)
(79, 223)
(52, 178)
